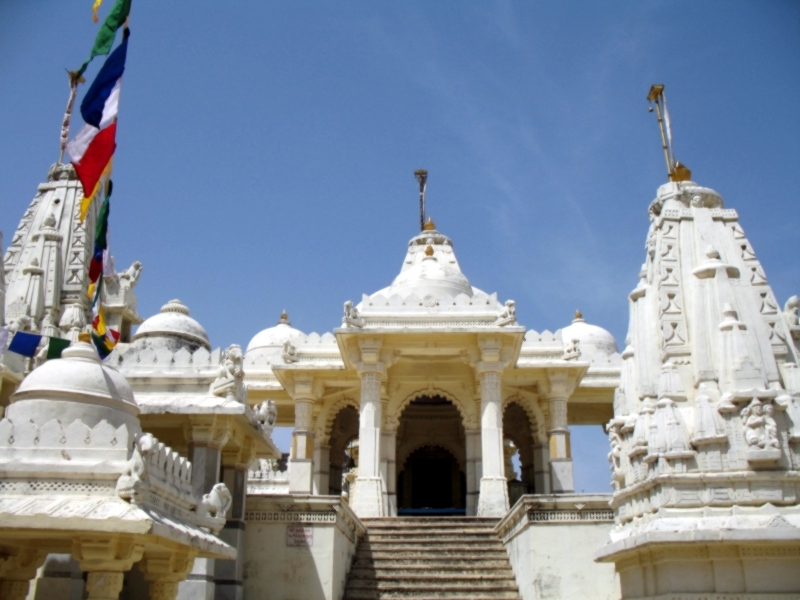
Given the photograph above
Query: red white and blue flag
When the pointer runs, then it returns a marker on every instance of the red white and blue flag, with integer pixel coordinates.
(94, 145)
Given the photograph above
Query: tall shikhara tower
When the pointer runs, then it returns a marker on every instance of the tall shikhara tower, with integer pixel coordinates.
(46, 265)
(705, 440)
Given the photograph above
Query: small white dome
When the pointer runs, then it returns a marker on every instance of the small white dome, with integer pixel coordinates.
(79, 372)
(175, 324)
(275, 337)
(592, 339)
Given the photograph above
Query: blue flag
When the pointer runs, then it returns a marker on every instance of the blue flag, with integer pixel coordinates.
(25, 343)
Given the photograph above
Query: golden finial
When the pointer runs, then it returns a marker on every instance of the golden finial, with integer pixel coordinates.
(429, 225)
(578, 314)
(284, 320)
(85, 336)
(429, 250)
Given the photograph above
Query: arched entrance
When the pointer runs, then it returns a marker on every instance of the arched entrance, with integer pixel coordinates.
(519, 447)
(431, 457)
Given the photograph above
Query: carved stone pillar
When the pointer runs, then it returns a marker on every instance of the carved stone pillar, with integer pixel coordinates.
(105, 560)
(301, 471)
(367, 501)
(541, 469)
(561, 476)
(16, 572)
(207, 436)
(493, 499)
(229, 574)
(473, 474)
(322, 465)
(389, 471)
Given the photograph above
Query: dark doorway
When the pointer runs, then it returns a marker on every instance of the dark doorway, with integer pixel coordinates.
(431, 483)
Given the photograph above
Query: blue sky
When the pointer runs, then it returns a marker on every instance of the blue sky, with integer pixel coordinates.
(266, 149)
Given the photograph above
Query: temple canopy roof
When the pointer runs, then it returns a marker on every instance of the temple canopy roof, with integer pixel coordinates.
(172, 327)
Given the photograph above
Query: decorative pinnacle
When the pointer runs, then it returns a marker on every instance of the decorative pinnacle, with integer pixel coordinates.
(85, 336)
(429, 250)
(429, 225)
(578, 315)
(284, 320)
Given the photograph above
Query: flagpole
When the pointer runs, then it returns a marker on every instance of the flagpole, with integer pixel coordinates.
(654, 96)
(74, 80)
(422, 177)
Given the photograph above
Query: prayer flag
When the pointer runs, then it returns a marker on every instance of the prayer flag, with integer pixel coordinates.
(25, 343)
(108, 31)
(104, 338)
(95, 143)
(56, 346)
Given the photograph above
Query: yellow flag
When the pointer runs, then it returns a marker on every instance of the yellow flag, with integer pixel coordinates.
(87, 200)
(97, 4)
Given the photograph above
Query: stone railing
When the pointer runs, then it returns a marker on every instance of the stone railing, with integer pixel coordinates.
(480, 302)
(560, 509)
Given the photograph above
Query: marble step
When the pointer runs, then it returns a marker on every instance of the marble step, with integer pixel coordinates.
(432, 545)
(413, 584)
(493, 592)
(409, 550)
(421, 531)
(432, 573)
(471, 562)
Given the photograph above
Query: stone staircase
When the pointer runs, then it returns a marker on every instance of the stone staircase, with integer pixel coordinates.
(448, 558)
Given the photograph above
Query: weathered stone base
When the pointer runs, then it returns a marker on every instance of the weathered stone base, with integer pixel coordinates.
(366, 499)
(298, 547)
(550, 540)
(493, 499)
(674, 560)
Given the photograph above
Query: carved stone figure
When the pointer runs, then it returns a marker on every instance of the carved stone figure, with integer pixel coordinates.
(135, 469)
(216, 502)
(267, 414)
(508, 315)
(760, 429)
(289, 353)
(572, 351)
(790, 311)
(351, 317)
(230, 375)
(131, 275)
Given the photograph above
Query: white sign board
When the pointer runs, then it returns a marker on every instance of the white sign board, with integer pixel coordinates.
(297, 535)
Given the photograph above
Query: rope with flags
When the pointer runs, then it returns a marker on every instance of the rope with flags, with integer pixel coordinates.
(92, 152)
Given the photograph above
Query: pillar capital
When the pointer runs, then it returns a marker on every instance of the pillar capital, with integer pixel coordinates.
(377, 368)
(165, 570)
(17, 569)
(208, 430)
(560, 384)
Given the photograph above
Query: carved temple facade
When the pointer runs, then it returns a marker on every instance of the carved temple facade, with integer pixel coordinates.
(431, 399)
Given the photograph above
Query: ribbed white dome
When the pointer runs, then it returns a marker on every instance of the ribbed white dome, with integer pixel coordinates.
(173, 322)
(592, 339)
(275, 337)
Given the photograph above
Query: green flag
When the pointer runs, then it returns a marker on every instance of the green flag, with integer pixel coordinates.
(56, 347)
(108, 31)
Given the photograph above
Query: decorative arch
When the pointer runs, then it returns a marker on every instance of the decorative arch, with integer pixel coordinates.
(454, 451)
(327, 416)
(535, 416)
(469, 418)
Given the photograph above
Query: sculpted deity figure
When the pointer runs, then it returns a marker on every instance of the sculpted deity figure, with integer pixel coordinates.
(760, 429)
(508, 315)
(230, 375)
(266, 414)
(215, 503)
(351, 317)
